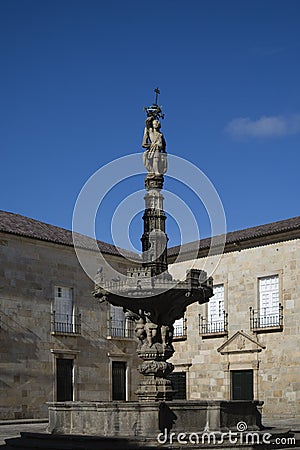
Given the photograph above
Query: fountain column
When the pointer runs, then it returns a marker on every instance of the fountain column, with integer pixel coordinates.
(149, 294)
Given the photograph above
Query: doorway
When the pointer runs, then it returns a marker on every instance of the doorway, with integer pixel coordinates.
(242, 384)
(118, 380)
(64, 379)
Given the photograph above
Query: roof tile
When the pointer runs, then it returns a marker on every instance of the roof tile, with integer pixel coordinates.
(24, 226)
(241, 235)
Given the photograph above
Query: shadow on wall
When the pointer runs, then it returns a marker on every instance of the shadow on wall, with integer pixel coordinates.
(166, 417)
(18, 341)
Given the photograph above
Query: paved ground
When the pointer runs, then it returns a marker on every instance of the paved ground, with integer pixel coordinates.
(14, 429)
(293, 424)
(9, 430)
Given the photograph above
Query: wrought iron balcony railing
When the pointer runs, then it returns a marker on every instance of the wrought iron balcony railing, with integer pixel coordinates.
(180, 329)
(210, 327)
(121, 329)
(266, 319)
(65, 324)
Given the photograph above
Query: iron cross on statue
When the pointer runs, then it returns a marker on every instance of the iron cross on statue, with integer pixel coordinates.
(157, 92)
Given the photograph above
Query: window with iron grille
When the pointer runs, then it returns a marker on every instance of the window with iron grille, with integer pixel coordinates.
(269, 300)
(216, 320)
(63, 318)
(270, 311)
(216, 305)
(119, 325)
(179, 328)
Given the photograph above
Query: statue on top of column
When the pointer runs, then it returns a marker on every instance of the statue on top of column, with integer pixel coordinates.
(155, 156)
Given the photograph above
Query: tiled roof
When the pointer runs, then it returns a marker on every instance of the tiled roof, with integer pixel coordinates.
(24, 226)
(236, 237)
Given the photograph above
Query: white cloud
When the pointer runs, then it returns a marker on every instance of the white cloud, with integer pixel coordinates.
(265, 126)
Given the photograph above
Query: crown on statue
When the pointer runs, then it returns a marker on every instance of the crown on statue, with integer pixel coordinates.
(155, 111)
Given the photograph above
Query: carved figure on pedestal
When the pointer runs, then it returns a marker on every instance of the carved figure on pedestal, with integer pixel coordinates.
(140, 332)
(151, 332)
(155, 157)
(166, 334)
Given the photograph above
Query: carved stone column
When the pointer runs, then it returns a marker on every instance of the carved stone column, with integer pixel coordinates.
(149, 294)
(154, 348)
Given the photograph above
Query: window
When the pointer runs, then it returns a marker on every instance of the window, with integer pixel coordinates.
(216, 306)
(179, 385)
(269, 299)
(180, 328)
(118, 380)
(64, 379)
(242, 385)
(64, 319)
(216, 320)
(119, 325)
(269, 313)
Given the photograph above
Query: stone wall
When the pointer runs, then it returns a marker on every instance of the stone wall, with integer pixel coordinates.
(273, 355)
(30, 269)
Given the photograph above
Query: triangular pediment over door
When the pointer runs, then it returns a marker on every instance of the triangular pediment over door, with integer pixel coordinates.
(240, 342)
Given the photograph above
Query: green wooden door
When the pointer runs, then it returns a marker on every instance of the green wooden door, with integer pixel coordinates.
(242, 384)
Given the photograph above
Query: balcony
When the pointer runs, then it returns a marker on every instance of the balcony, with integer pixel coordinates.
(65, 324)
(264, 320)
(121, 329)
(179, 332)
(213, 328)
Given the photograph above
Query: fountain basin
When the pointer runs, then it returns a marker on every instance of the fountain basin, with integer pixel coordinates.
(148, 419)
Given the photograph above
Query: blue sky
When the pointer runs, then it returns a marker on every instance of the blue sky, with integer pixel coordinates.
(75, 76)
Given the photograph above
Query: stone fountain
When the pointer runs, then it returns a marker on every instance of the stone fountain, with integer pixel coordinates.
(153, 300)
(149, 294)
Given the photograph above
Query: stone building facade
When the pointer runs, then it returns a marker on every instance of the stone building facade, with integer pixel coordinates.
(74, 353)
(57, 342)
(245, 344)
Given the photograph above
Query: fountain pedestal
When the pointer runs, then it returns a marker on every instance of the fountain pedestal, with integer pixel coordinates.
(155, 302)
